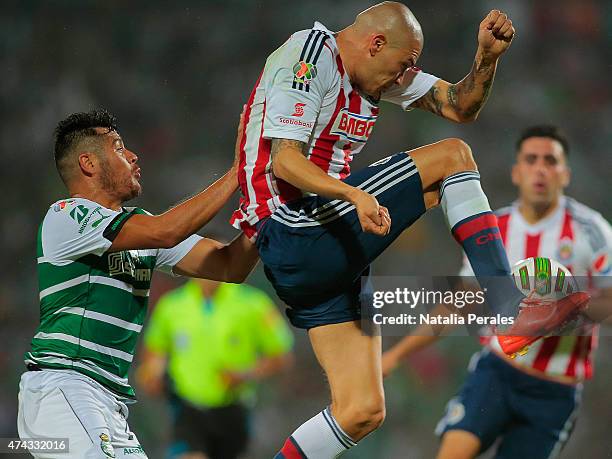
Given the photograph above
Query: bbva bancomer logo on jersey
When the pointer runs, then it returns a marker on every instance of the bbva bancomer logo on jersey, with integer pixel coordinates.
(353, 126)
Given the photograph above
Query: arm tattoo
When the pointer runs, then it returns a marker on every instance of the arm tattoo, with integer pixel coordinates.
(475, 107)
(430, 101)
(474, 89)
(465, 98)
(279, 144)
(451, 93)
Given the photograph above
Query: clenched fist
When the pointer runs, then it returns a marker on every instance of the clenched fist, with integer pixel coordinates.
(495, 33)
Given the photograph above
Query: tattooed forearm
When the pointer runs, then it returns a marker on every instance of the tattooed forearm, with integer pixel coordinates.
(461, 101)
(467, 97)
(431, 101)
(452, 96)
(279, 144)
(472, 110)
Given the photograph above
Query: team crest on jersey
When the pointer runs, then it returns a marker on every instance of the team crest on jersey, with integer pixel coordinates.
(304, 72)
(106, 446)
(566, 249)
(353, 126)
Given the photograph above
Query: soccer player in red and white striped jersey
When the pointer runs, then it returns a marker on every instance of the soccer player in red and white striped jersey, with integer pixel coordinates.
(542, 222)
(318, 226)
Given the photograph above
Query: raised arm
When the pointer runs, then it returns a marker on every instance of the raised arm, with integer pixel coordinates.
(462, 101)
(168, 229)
(290, 165)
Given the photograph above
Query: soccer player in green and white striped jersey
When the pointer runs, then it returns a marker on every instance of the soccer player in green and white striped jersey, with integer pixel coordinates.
(95, 261)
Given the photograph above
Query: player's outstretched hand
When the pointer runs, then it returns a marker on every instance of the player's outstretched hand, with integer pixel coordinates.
(374, 218)
(495, 33)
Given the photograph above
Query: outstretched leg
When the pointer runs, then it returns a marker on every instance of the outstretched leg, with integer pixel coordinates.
(351, 361)
(449, 166)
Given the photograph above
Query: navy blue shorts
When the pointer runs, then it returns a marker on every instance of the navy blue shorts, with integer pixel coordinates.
(532, 417)
(315, 253)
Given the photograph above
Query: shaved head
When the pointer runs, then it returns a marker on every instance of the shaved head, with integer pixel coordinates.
(393, 20)
(380, 46)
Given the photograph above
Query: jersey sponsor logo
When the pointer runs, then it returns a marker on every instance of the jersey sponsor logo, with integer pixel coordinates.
(79, 213)
(291, 121)
(125, 263)
(298, 109)
(97, 222)
(142, 274)
(134, 450)
(118, 265)
(353, 126)
(304, 72)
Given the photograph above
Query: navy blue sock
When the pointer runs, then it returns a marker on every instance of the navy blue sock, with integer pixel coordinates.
(474, 226)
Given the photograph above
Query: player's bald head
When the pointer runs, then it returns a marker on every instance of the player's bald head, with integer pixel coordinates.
(393, 20)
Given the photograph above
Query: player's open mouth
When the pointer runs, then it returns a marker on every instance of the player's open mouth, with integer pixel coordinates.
(540, 187)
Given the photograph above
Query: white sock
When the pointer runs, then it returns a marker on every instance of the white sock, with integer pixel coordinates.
(321, 437)
(462, 197)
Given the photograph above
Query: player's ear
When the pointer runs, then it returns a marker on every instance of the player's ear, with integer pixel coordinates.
(377, 43)
(515, 174)
(88, 163)
(567, 176)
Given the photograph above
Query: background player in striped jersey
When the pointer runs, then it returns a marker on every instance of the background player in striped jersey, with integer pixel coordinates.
(318, 228)
(95, 261)
(530, 401)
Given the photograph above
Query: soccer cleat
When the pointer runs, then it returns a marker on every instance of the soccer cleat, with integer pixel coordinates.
(538, 318)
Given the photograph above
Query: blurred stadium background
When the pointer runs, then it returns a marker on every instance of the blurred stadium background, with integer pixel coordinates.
(176, 75)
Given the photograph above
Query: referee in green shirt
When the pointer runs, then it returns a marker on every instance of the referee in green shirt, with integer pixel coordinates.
(214, 341)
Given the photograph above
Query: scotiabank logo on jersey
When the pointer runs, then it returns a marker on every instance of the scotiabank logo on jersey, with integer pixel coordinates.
(353, 126)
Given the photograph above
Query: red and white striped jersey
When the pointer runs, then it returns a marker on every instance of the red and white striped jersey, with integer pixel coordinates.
(305, 94)
(581, 239)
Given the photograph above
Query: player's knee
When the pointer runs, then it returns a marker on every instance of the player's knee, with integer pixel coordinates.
(366, 417)
(458, 156)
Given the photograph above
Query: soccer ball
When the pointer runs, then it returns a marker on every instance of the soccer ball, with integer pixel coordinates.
(544, 278)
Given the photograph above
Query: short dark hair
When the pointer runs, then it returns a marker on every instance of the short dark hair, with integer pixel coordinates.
(544, 130)
(75, 128)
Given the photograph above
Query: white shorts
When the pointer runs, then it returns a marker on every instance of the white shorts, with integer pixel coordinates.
(67, 404)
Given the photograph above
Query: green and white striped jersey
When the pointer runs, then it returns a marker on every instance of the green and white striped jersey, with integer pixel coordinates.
(93, 303)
